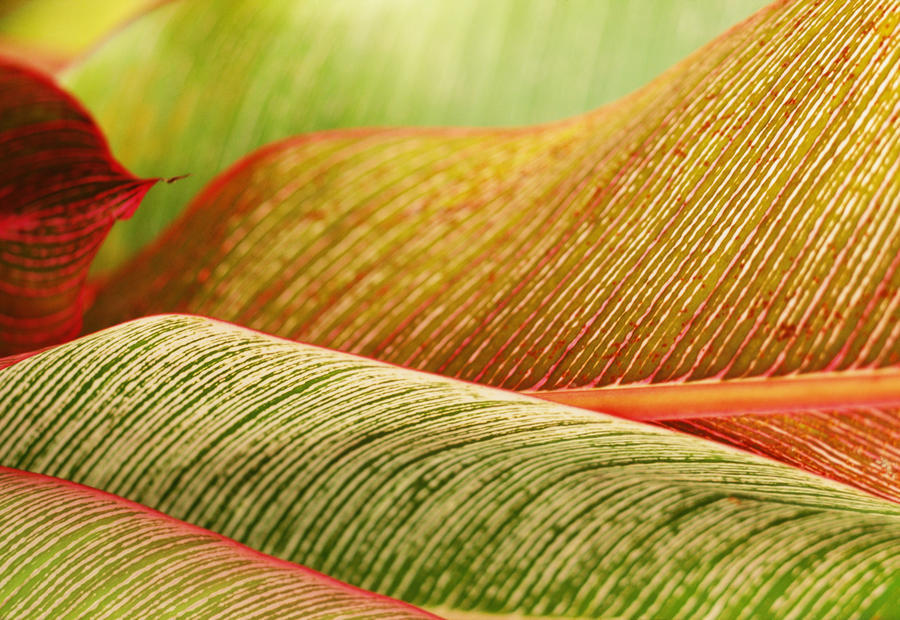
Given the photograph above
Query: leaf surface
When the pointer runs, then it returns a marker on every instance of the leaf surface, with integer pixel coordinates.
(60, 191)
(193, 86)
(739, 217)
(446, 494)
(72, 551)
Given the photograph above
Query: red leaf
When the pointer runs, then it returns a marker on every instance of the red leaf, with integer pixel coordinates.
(60, 192)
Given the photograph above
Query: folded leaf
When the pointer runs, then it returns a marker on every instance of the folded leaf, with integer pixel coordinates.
(191, 87)
(72, 551)
(60, 191)
(442, 493)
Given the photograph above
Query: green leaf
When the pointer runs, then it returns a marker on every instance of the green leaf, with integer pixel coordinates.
(194, 85)
(71, 551)
(445, 494)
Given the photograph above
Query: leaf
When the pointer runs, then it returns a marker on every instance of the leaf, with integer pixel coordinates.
(736, 218)
(854, 445)
(844, 426)
(63, 28)
(70, 551)
(193, 86)
(674, 236)
(446, 494)
(60, 191)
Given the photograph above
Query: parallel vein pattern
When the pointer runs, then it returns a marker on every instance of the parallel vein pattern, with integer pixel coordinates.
(842, 425)
(857, 446)
(442, 493)
(738, 217)
(70, 551)
(60, 191)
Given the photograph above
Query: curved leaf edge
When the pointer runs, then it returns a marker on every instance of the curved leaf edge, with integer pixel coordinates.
(186, 530)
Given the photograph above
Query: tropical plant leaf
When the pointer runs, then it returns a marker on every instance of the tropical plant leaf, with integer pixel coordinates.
(688, 233)
(71, 551)
(193, 86)
(60, 191)
(445, 494)
(737, 218)
(844, 426)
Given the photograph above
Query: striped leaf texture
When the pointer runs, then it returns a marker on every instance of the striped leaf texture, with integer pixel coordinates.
(449, 495)
(60, 191)
(72, 551)
(845, 426)
(736, 218)
(858, 445)
(211, 80)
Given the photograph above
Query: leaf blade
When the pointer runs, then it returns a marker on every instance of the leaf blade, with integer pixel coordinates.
(567, 256)
(314, 66)
(442, 493)
(71, 550)
(61, 190)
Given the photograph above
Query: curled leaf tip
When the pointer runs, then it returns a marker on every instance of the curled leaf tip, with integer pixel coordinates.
(60, 192)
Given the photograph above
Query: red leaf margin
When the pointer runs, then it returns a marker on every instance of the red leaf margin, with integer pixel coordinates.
(61, 190)
(275, 569)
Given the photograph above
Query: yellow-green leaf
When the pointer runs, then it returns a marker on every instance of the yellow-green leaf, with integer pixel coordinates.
(445, 494)
(69, 551)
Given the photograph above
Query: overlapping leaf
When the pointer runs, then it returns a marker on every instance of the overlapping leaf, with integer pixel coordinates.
(859, 445)
(194, 86)
(739, 217)
(445, 494)
(70, 551)
(60, 191)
